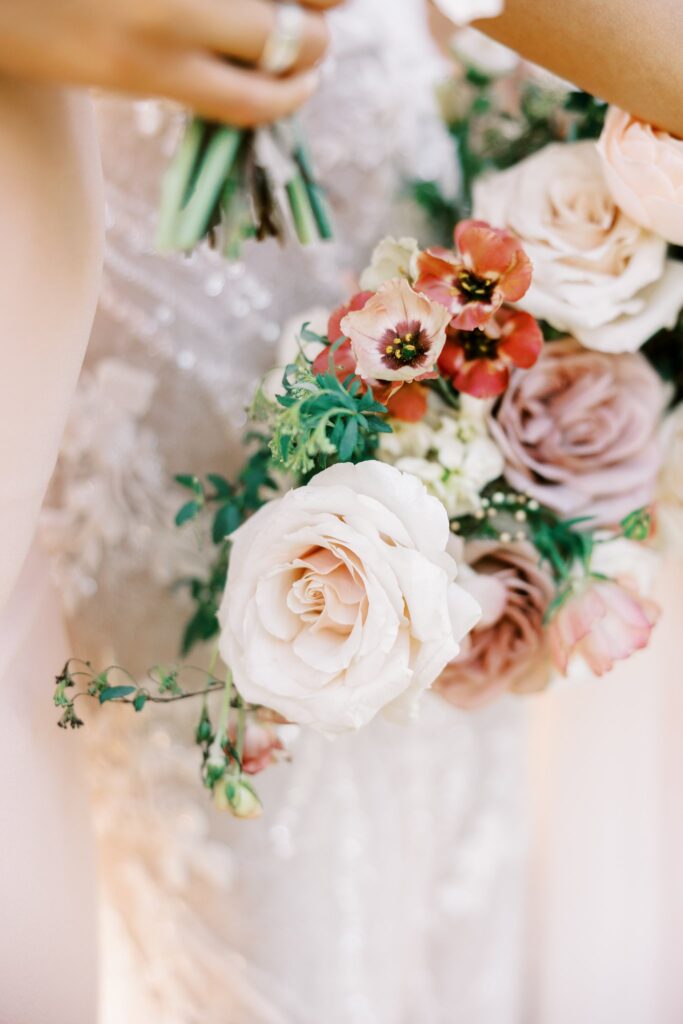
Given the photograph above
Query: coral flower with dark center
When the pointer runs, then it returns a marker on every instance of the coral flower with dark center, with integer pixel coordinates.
(479, 362)
(398, 335)
(489, 268)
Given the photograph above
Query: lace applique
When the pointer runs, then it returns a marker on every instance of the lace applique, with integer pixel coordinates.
(110, 496)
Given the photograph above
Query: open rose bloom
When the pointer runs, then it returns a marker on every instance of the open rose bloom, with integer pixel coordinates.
(643, 168)
(507, 652)
(597, 273)
(341, 599)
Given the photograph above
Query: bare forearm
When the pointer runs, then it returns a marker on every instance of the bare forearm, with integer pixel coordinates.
(625, 51)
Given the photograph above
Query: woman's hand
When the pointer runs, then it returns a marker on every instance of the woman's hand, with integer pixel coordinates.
(171, 48)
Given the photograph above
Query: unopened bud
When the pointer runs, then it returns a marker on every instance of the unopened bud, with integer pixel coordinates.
(236, 795)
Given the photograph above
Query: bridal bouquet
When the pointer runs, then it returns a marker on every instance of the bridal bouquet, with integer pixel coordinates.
(458, 481)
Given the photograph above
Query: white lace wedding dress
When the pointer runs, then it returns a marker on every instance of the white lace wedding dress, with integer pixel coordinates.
(384, 884)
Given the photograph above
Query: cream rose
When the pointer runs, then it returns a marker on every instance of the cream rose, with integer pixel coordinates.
(644, 171)
(597, 274)
(341, 599)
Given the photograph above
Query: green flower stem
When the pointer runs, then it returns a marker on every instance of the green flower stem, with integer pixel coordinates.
(316, 195)
(241, 723)
(176, 184)
(214, 659)
(223, 727)
(217, 163)
(236, 217)
(151, 699)
(300, 204)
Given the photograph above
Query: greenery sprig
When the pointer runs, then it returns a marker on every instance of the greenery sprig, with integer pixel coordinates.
(221, 746)
(320, 420)
(116, 685)
(228, 504)
(490, 135)
(507, 515)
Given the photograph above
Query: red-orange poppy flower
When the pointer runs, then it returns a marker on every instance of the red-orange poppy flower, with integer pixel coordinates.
(478, 362)
(489, 268)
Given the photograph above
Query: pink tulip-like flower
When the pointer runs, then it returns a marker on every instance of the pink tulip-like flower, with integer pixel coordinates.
(398, 335)
(489, 268)
(603, 621)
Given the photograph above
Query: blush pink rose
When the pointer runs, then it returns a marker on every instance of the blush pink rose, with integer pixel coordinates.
(604, 621)
(579, 431)
(644, 171)
(507, 651)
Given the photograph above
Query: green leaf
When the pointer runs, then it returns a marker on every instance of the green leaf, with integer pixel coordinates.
(187, 513)
(140, 700)
(223, 487)
(348, 441)
(226, 521)
(379, 425)
(202, 626)
(167, 680)
(116, 693)
(191, 482)
(308, 335)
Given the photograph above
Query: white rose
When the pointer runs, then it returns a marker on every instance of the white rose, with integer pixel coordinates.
(391, 258)
(340, 599)
(597, 274)
(670, 490)
(462, 12)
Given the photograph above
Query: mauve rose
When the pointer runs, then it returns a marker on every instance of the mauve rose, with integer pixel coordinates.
(579, 431)
(507, 651)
